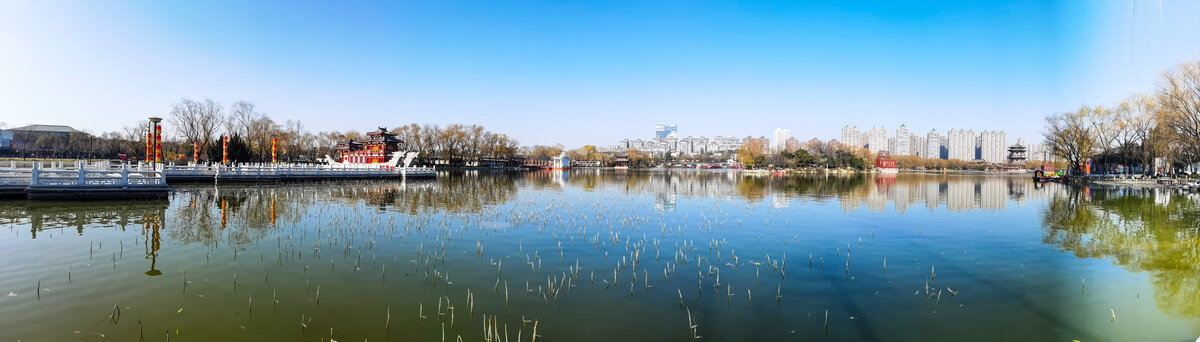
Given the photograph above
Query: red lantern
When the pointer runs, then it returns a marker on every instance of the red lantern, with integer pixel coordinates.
(149, 140)
(157, 143)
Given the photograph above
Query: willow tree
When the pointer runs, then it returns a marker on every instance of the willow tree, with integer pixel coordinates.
(1179, 100)
(751, 154)
(1143, 136)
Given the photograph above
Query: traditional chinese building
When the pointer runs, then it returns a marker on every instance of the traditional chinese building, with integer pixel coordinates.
(378, 147)
(885, 163)
(1016, 154)
(621, 161)
(561, 162)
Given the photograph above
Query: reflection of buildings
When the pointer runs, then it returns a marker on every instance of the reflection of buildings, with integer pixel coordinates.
(993, 195)
(665, 201)
(960, 195)
(951, 192)
(779, 201)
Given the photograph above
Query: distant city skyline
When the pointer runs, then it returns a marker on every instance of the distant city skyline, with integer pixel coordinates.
(589, 72)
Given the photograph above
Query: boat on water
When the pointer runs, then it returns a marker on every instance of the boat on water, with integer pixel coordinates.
(1052, 176)
(1046, 173)
(380, 149)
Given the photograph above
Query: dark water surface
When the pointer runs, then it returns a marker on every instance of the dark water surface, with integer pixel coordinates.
(593, 255)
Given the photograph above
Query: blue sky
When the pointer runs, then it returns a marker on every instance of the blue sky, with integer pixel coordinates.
(591, 72)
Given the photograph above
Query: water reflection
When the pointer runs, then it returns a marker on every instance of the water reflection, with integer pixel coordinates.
(240, 213)
(1141, 230)
(388, 248)
(853, 191)
(42, 216)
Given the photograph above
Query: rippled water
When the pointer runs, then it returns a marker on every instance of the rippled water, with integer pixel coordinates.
(593, 255)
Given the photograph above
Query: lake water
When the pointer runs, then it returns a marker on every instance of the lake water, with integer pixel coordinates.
(604, 255)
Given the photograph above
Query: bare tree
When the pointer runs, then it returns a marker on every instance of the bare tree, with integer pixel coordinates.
(79, 144)
(1071, 136)
(197, 121)
(241, 118)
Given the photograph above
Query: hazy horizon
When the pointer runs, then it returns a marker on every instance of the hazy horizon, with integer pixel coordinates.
(591, 72)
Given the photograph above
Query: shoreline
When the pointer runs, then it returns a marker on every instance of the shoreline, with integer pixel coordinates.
(901, 171)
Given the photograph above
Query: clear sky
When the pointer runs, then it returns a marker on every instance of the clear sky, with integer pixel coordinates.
(591, 72)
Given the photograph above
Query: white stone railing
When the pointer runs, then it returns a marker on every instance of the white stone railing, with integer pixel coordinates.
(106, 174)
(100, 176)
(285, 170)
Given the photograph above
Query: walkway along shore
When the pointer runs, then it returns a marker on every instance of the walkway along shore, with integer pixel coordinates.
(104, 180)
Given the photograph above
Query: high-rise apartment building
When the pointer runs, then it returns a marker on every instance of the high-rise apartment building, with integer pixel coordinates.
(851, 137)
(902, 142)
(792, 144)
(993, 147)
(665, 131)
(944, 148)
(1039, 152)
(933, 148)
(779, 140)
(917, 144)
(961, 144)
(877, 140)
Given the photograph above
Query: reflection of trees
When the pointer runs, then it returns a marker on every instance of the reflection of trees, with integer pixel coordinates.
(819, 186)
(146, 215)
(455, 192)
(1131, 229)
(238, 215)
(752, 189)
(52, 215)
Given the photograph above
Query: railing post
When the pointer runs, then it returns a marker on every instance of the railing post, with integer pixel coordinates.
(34, 180)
